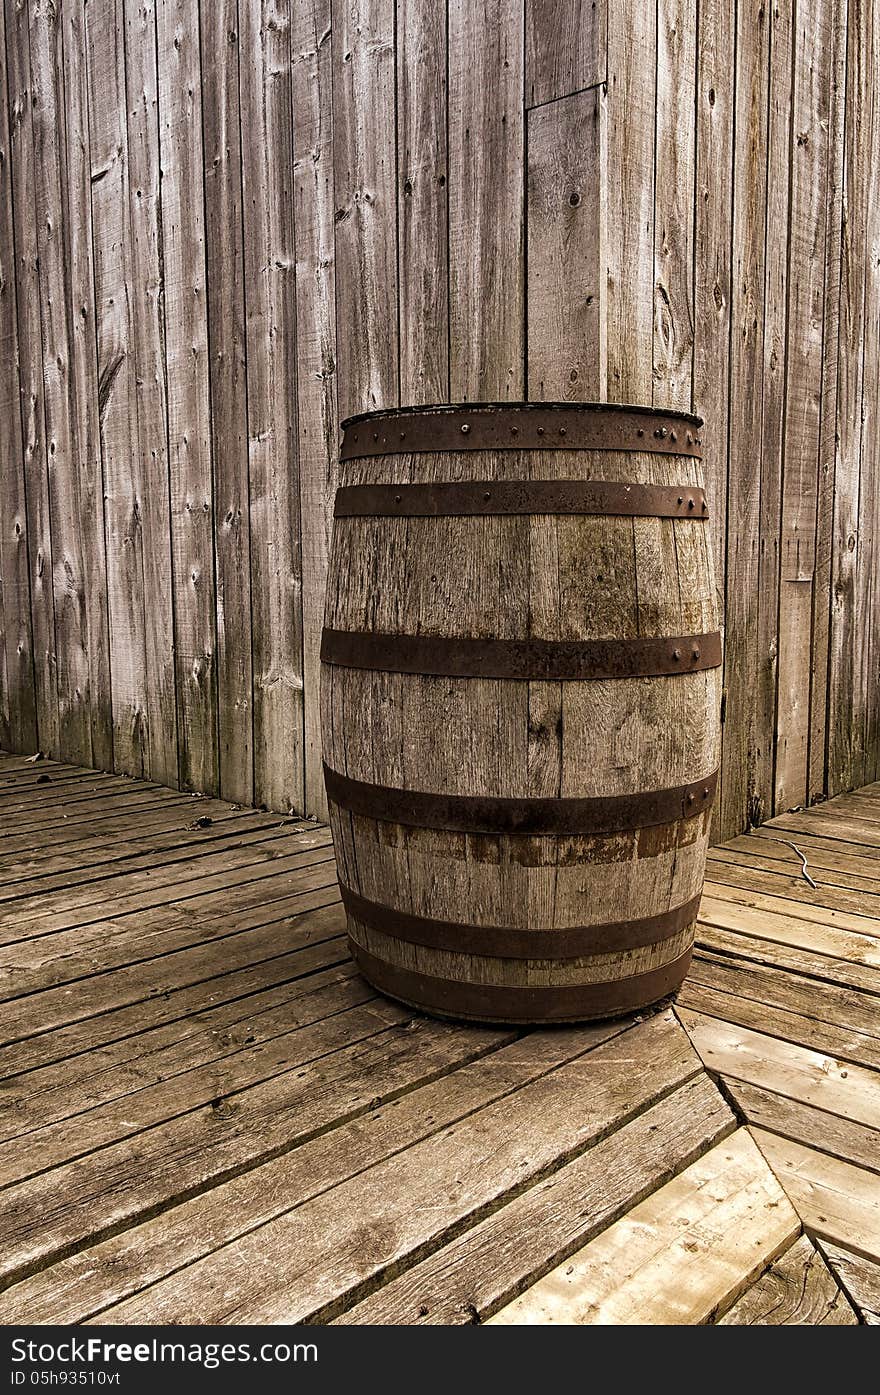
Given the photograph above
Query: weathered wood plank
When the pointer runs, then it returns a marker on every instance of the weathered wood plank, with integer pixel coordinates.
(816, 1128)
(471, 1277)
(712, 261)
(810, 77)
(285, 1038)
(746, 368)
(317, 1251)
(679, 1257)
(262, 927)
(30, 364)
(733, 900)
(152, 995)
(119, 441)
(859, 1277)
(188, 390)
(422, 201)
(784, 862)
(48, 871)
(566, 48)
(479, 1068)
(73, 1087)
(835, 1200)
(18, 714)
(147, 306)
(48, 962)
(313, 185)
(629, 200)
(794, 1071)
(817, 773)
(674, 212)
(97, 1195)
(714, 992)
(788, 924)
(565, 256)
(270, 293)
(33, 913)
(782, 956)
(845, 711)
(75, 504)
(797, 1290)
(363, 47)
(83, 384)
(224, 247)
(486, 200)
(774, 349)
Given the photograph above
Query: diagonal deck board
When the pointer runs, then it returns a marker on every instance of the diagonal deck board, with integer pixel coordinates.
(798, 1290)
(678, 1257)
(204, 1111)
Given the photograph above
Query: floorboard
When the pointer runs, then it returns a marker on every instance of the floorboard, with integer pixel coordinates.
(206, 1114)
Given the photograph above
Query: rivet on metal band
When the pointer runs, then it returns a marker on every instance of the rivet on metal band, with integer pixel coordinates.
(497, 497)
(495, 1003)
(527, 660)
(511, 942)
(466, 813)
(521, 426)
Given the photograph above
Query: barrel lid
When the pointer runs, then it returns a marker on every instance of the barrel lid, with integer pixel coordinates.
(522, 426)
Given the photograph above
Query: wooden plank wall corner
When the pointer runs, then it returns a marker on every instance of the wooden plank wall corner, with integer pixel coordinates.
(226, 225)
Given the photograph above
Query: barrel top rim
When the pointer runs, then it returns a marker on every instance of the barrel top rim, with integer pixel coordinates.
(441, 409)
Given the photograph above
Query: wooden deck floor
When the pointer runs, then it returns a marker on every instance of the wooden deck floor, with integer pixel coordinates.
(208, 1116)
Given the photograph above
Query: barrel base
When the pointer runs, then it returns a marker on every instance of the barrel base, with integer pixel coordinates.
(526, 1006)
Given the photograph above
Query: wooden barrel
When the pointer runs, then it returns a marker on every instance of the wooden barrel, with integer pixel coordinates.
(520, 705)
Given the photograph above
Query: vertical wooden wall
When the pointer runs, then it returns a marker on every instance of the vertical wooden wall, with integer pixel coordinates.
(226, 225)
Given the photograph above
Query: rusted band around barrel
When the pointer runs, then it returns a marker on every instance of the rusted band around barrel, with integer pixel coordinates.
(537, 660)
(467, 813)
(494, 497)
(497, 1003)
(512, 942)
(521, 426)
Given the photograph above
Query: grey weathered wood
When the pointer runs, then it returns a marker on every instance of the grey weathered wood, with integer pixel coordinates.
(313, 183)
(835, 1200)
(167, 1164)
(486, 242)
(270, 293)
(461, 1173)
(188, 391)
(711, 991)
(859, 1277)
(774, 350)
(75, 495)
(482, 1068)
(117, 415)
(566, 48)
(845, 713)
(674, 212)
(18, 715)
(147, 303)
(842, 1138)
(817, 773)
(629, 199)
(365, 197)
(30, 370)
(813, 47)
(469, 1278)
(746, 368)
(797, 1290)
(654, 1266)
(565, 258)
(224, 233)
(422, 201)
